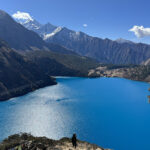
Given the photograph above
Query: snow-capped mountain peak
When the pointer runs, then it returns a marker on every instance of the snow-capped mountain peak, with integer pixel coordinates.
(26, 20)
(22, 17)
(30, 23)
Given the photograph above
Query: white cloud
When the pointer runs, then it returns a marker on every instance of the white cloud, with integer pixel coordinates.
(85, 25)
(140, 31)
(22, 15)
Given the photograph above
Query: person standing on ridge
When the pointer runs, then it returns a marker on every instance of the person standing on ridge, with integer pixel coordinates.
(74, 140)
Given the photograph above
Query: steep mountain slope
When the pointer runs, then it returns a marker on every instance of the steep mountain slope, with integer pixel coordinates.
(17, 36)
(60, 49)
(18, 75)
(22, 39)
(32, 24)
(57, 64)
(45, 29)
(106, 51)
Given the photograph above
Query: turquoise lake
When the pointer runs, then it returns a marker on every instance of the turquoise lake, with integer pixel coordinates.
(111, 112)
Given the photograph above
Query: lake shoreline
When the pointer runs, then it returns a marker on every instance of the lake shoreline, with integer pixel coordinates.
(28, 90)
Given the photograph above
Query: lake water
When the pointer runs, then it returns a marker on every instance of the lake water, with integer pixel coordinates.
(111, 112)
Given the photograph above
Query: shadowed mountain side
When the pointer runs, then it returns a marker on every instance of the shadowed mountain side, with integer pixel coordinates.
(17, 36)
(21, 39)
(22, 73)
(57, 64)
(19, 76)
(60, 49)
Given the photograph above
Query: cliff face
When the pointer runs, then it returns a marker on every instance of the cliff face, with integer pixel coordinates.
(28, 142)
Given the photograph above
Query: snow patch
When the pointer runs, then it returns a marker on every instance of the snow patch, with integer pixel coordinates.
(22, 16)
(46, 36)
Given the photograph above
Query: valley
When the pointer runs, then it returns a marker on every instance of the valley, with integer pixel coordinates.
(33, 60)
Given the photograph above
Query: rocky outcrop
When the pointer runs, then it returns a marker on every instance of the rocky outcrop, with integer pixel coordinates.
(29, 142)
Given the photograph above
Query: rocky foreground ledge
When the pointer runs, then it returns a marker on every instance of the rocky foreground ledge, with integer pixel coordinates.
(28, 142)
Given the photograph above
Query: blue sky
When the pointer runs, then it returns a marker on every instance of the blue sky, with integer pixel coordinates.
(104, 18)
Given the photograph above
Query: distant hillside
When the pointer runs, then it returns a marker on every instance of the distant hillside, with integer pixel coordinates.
(132, 72)
(103, 50)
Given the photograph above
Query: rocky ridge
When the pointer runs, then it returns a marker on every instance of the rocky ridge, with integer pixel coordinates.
(29, 142)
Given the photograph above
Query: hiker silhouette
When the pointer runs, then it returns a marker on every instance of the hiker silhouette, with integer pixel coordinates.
(74, 140)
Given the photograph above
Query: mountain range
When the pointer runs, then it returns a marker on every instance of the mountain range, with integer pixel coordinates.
(120, 51)
(29, 58)
(27, 62)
